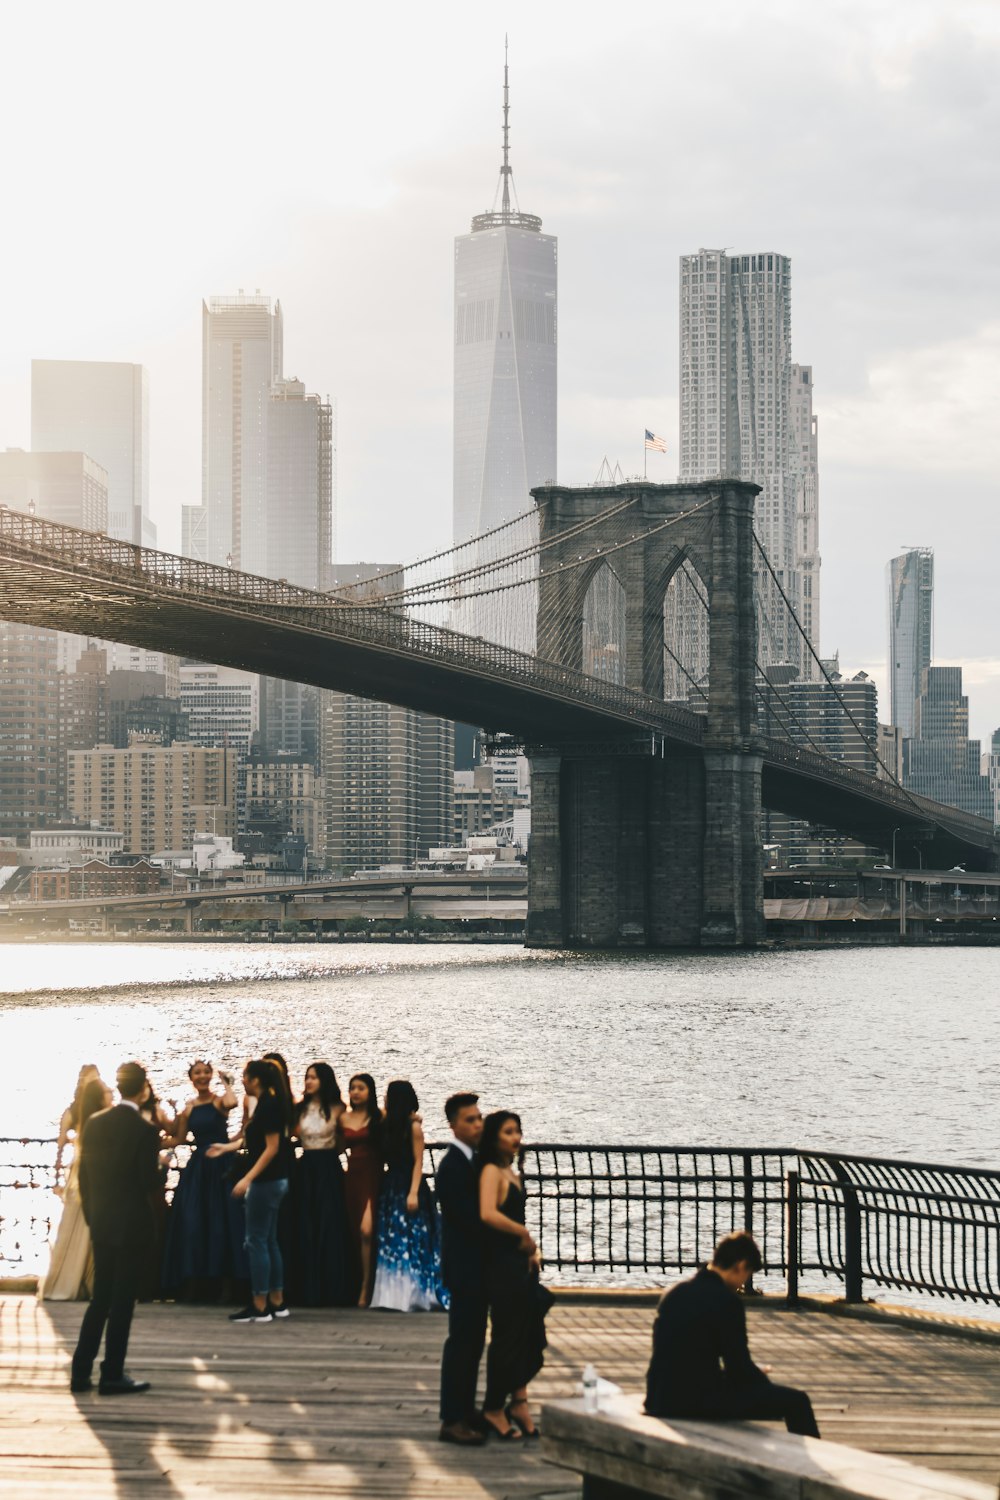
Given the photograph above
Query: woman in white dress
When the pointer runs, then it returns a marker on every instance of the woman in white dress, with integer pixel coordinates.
(70, 1277)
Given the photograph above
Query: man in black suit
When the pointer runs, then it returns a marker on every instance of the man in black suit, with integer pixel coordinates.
(457, 1184)
(701, 1366)
(118, 1172)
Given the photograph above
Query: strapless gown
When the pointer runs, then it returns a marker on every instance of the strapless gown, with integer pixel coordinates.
(361, 1188)
(204, 1239)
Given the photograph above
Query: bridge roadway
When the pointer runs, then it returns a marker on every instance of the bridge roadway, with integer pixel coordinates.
(66, 579)
(473, 896)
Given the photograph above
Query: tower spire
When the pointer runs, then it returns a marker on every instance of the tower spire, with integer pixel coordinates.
(505, 170)
(508, 213)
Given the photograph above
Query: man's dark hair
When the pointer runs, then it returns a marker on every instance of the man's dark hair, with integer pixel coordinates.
(453, 1107)
(131, 1079)
(732, 1248)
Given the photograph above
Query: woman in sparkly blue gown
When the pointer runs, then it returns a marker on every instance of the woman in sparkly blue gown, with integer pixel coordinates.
(408, 1268)
(204, 1239)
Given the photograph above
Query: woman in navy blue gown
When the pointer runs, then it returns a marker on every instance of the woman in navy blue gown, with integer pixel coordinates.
(204, 1239)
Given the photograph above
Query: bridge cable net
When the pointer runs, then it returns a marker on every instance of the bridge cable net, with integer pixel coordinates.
(863, 743)
(487, 588)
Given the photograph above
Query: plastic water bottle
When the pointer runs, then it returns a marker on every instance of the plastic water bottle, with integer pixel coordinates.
(589, 1388)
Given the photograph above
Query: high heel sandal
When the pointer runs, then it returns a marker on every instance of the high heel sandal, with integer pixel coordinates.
(527, 1432)
(492, 1431)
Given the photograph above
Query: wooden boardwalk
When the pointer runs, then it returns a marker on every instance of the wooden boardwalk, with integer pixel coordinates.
(345, 1403)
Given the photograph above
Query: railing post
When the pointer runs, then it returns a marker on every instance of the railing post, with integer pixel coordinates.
(792, 1237)
(748, 1206)
(852, 1235)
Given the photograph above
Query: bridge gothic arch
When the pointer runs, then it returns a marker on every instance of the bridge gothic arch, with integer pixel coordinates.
(628, 847)
(603, 628)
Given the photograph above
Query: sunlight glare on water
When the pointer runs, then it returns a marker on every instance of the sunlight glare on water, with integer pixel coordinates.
(884, 1051)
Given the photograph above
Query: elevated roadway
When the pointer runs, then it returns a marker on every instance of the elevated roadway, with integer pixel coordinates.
(66, 579)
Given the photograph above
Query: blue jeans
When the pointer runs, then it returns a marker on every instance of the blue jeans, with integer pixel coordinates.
(263, 1200)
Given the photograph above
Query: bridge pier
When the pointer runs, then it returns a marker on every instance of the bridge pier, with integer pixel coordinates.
(651, 844)
(631, 851)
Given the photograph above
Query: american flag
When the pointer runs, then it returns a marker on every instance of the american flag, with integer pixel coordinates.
(657, 444)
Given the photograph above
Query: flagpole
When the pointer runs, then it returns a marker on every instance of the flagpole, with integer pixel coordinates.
(645, 453)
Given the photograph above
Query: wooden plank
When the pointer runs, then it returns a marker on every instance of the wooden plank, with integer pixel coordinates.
(354, 1409)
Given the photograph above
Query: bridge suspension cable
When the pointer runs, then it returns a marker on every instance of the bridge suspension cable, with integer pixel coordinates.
(872, 746)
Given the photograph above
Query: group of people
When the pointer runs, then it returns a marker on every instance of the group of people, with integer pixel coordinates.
(373, 1233)
(470, 1251)
(248, 1206)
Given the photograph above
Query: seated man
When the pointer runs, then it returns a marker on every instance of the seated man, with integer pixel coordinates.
(701, 1366)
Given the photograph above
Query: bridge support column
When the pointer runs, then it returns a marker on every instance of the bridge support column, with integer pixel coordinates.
(189, 918)
(545, 926)
(616, 853)
(733, 915)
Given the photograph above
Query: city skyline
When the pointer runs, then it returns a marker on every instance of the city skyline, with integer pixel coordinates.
(904, 354)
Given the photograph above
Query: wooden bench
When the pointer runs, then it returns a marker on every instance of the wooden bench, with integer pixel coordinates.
(623, 1455)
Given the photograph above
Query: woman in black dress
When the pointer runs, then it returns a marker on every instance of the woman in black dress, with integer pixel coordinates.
(517, 1300)
(321, 1275)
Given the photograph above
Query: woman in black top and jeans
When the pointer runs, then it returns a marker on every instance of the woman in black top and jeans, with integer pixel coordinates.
(264, 1185)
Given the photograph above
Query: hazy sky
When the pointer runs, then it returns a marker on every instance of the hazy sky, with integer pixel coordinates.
(328, 154)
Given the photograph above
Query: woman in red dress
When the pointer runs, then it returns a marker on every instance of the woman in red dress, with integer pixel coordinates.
(361, 1133)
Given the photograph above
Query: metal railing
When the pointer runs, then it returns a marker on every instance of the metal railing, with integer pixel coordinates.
(622, 1215)
(910, 804)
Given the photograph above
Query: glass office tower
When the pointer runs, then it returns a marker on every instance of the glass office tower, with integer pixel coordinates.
(505, 376)
(911, 632)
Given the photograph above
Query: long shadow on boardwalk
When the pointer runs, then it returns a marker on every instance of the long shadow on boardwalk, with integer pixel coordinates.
(344, 1403)
(339, 1404)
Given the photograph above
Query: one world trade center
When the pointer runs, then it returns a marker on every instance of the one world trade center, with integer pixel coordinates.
(505, 370)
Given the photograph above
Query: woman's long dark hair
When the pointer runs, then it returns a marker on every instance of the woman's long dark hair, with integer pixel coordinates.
(93, 1098)
(401, 1104)
(282, 1067)
(270, 1078)
(489, 1149)
(329, 1095)
(374, 1116)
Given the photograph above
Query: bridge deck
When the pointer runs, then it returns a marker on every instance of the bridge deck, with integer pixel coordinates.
(344, 1403)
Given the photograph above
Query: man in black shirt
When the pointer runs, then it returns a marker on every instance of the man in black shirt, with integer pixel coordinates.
(119, 1157)
(701, 1366)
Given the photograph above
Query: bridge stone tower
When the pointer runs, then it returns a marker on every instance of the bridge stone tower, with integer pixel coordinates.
(637, 843)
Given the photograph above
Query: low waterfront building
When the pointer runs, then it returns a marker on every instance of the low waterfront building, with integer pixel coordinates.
(95, 879)
(73, 845)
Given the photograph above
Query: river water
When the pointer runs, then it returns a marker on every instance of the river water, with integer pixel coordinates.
(880, 1051)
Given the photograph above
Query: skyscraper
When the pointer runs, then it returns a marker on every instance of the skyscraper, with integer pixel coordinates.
(68, 488)
(746, 412)
(101, 409)
(910, 579)
(241, 355)
(387, 771)
(299, 490)
(940, 761)
(505, 359)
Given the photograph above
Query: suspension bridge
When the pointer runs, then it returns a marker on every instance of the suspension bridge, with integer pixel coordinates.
(555, 630)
